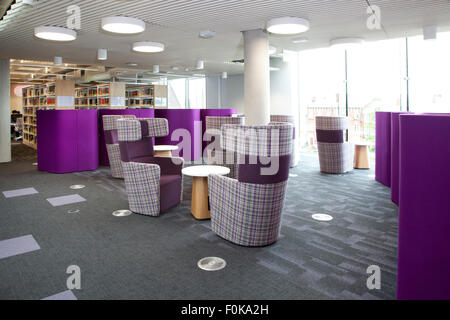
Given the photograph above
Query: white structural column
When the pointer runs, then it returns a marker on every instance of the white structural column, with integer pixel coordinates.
(5, 116)
(256, 77)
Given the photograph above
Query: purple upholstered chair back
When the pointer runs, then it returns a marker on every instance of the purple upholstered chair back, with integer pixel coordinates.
(264, 152)
(136, 138)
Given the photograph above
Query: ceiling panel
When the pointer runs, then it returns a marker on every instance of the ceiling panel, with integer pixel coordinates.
(176, 23)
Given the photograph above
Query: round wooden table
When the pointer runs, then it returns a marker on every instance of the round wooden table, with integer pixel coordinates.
(164, 150)
(362, 156)
(200, 199)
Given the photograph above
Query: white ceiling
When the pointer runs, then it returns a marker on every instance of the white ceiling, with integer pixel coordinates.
(176, 23)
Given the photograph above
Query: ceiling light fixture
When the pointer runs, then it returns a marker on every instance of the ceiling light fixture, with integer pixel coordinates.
(299, 40)
(102, 54)
(55, 33)
(430, 32)
(207, 34)
(224, 75)
(132, 64)
(57, 61)
(346, 43)
(148, 47)
(123, 25)
(287, 25)
(156, 68)
(200, 65)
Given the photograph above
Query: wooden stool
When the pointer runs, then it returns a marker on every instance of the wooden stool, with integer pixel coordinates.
(361, 156)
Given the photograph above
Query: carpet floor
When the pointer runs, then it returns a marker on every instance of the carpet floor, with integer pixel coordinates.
(139, 257)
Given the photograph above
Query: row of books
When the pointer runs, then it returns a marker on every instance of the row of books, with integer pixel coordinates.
(139, 92)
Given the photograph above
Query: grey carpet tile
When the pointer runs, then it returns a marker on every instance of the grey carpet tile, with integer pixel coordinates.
(139, 257)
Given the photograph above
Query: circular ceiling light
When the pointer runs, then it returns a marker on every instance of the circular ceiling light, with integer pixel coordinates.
(287, 25)
(207, 34)
(148, 47)
(55, 33)
(346, 43)
(123, 25)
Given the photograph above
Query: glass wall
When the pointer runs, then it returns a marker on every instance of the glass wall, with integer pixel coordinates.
(429, 67)
(375, 83)
(321, 90)
(187, 93)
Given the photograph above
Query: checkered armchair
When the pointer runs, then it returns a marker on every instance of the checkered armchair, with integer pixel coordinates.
(335, 154)
(289, 119)
(215, 154)
(153, 184)
(247, 210)
(112, 143)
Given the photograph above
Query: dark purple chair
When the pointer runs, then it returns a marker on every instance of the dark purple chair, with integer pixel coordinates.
(247, 211)
(153, 184)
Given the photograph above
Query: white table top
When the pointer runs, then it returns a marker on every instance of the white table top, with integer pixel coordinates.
(165, 148)
(204, 171)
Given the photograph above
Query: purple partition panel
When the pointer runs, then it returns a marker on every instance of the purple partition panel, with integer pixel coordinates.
(395, 155)
(188, 119)
(67, 140)
(139, 113)
(424, 213)
(213, 113)
(383, 148)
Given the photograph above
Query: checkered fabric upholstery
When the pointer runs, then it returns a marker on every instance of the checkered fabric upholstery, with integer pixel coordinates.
(130, 130)
(332, 123)
(110, 124)
(245, 213)
(142, 186)
(335, 157)
(272, 140)
(274, 119)
(219, 156)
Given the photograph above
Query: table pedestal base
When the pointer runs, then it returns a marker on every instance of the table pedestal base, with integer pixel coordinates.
(200, 201)
(361, 157)
(163, 154)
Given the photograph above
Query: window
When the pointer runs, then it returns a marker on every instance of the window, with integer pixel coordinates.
(376, 82)
(197, 93)
(429, 68)
(177, 93)
(321, 90)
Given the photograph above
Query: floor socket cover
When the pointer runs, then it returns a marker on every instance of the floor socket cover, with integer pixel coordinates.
(121, 213)
(322, 217)
(212, 264)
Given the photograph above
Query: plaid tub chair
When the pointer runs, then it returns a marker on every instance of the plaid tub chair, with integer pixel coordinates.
(215, 155)
(335, 155)
(153, 184)
(289, 119)
(112, 143)
(247, 210)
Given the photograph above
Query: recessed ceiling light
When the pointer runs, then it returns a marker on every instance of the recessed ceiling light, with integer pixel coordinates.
(148, 47)
(224, 75)
(200, 65)
(57, 61)
(287, 25)
(207, 34)
(272, 50)
(124, 25)
(132, 64)
(55, 33)
(102, 54)
(346, 43)
(299, 40)
(156, 68)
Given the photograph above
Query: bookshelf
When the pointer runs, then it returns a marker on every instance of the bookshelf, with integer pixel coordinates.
(146, 96)
(101, 96)
(53, 95)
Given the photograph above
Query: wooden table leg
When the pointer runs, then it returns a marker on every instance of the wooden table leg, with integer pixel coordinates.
(163, 154)
(200, 203)
(361, 157)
